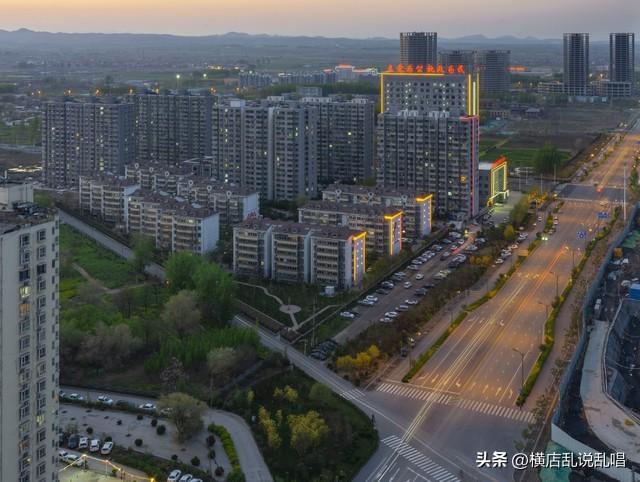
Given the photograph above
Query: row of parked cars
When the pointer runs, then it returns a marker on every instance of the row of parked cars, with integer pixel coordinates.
(322, 350)
(177, 476)
(109, 402)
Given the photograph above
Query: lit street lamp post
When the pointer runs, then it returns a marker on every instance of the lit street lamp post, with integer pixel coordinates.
(521, 370)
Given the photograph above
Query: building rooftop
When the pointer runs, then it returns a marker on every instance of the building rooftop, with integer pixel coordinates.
(107, 178)
(373, 190)
(317, 230)
(160, 168)
(214, 185)
(349, 208)
(167, 202)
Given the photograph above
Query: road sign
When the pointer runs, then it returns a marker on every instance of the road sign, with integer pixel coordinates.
(603, 215)
(582, 234)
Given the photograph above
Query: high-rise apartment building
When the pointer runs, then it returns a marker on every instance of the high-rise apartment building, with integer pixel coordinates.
(418, 48)
(85, 138)
(171, 128)
(622, 57)
(345, 137)
(270, 147)
(427, 138)
(493, 66)
(576, 64)
(29, 334)
(466, 58)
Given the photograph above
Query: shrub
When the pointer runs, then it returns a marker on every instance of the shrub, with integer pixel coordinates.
(174, 457)
(138, 442)
(154, 422)
(219, 471)
(195, 461)
(211, 440)
(119, 422)
(89, 430)
(161, 429)
(227, 444)
(140, 416)
(212, 454)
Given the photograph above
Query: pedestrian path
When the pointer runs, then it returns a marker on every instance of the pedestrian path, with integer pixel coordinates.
(442, 398)
(424, 463)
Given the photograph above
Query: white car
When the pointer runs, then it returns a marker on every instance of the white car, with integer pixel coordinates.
(347, 314)
(83, 443)
(106, 448)
(386, 319)
(419, 276)
(407, 285)
(94, 446)
(71, 459)
(499, 261)
(186, 478)
(413, 267)
(76, 397)
(149, 407)
(402, 307)
(105, 400)
(391, 314)
(372, 298)
(174, 476)
(366, 302)
(411, 302)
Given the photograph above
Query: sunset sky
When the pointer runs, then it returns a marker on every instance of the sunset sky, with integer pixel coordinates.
(350, 18)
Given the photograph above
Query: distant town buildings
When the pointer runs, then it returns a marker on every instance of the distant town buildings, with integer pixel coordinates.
(83, 138)
(29, 374)
(418, 48)
(300, 252)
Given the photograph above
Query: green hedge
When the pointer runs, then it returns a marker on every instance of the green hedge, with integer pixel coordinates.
(230, 450)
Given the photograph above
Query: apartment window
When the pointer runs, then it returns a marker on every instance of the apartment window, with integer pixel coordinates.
(42, 268)
(42, 434)
(24, 411)
(25, 342)
(24, 395)
(42, 318)
(42, 235)
(42, 452)
(42, 252)
(25, 291)
(42, 302)
(25, 239)
(25, 360)
(42, 284)
(24, 275)
(41, 469)
(25, 257)
(42, 352)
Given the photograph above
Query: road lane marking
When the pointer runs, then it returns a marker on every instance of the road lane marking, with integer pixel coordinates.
(431, 469)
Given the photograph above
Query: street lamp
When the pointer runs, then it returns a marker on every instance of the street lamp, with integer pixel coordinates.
(522, 355)
(546, 308)
(551, 272)
(177, 81)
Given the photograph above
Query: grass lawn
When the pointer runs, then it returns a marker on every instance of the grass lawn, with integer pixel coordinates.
(517, 156)
(108, 268)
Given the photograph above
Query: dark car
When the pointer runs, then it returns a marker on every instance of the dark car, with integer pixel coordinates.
(123, 404)
(73, 441)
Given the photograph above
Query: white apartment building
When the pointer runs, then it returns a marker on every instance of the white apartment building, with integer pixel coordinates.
(29, 338)
(105, 197)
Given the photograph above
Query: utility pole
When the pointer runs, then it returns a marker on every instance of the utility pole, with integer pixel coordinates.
(624, 194)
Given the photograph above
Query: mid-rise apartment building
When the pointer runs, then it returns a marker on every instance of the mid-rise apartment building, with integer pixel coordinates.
(171, 128)
(416, 206)
(155, 176)
(174, 225)
(29, 338)
(299, 253)
(345, 137)
(83, 138)
(493, 182)
(382, 224)
(234, 204)
(493, 66)
(105, 197)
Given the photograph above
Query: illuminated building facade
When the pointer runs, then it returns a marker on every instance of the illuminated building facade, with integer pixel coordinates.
(300, 252)
(494, 185)
(382, 224)
(415, 205)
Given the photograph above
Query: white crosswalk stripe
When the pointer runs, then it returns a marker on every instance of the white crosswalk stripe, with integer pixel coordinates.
(453, 400)
(352, 394)
(434, 471)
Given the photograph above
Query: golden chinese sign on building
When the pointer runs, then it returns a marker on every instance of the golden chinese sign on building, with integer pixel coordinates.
(426, 69)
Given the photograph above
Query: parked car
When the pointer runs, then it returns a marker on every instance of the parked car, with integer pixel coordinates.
(174, 475)
(147, 407)
(446, 241)
(106, 448)
(71, 459)
(407, 285)
(186, 478)
(499, 261)
(83, 443)
(404, 351)
(73, 441)
(105, 400)
(382, 291)
(94, 446)
(348, 315)
(419, 276)
(75, 397)
(445, 255)
(123, 404)
(413, 267)
(366, 302)
(420, 292)
(386, 319)
(411, 302)
(391, 314)
(402, 307)
(372, 298)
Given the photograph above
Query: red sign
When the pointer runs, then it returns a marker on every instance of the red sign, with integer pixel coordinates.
(429, 69)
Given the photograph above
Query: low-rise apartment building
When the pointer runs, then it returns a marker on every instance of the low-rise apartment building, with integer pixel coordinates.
(105, 197)
(416, 206)
(155, 176)
(382, 224)
(173, 224)
(234, 204)
(300, 253)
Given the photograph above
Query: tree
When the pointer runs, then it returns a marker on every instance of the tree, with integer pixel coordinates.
(179, 270)
(287, 393)
(546, 158)
(270, 429)
(109, 346)
(321, 393)
(345, 363)
(509, 233)
(185, 412)
(172, 375)
(181, 314)
(143, 247)
(363, 361)
(215, 290)
(307, 431)
(374, 352)
(220, 364)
